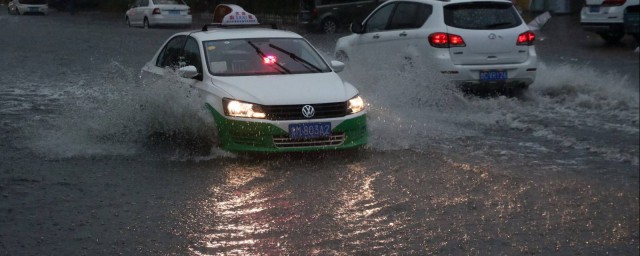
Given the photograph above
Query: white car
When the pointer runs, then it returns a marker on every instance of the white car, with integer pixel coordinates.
(28, 6)
(268, 90)
(149, 13)
(607, 18)
(475, 44)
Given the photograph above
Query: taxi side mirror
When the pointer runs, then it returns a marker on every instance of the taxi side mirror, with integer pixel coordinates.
(337, 66)
(357, 28)
(188, 72)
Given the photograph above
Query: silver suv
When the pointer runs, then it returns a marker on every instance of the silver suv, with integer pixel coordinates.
(611, 19)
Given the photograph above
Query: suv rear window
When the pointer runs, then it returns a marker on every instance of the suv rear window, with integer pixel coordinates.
(481, 15)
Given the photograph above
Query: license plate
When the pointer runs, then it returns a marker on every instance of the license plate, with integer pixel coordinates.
(493, 75)
(309, 130)
(34, 9)
(174, 12)
(594, 8)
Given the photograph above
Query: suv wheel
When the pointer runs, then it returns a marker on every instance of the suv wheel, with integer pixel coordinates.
(612, 37)
(329, 26)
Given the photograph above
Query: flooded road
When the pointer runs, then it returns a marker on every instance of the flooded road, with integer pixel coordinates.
(93, 161)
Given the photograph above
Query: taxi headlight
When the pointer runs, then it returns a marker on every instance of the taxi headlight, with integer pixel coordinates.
(356, 104)
(242, 109)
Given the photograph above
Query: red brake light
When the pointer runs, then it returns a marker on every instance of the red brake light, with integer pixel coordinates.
(526, 38)
(156, 11)
(613, 2)
(445, 40)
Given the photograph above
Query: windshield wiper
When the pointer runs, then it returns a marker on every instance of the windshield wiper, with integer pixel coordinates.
(297, 58)
(497, 24)
(261, 54)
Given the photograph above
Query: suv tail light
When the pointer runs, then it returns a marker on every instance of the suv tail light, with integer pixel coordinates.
(613, 2)
(314, 12)
(156, 11)
(526, 38)
(446, 40)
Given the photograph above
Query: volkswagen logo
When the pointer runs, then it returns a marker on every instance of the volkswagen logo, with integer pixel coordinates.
(492, 36)
(308, 111)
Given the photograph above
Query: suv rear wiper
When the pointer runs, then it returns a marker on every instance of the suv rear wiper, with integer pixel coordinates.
(497, 24)
(297, 58)
(261, 54)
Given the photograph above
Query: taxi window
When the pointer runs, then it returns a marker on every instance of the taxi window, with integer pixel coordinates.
(192, 56)
(481, 15)
(262, 56)
(170, 55)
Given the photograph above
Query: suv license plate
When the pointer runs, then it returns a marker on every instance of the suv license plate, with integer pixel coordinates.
(310, 130)
(493, 75)
(594, 8)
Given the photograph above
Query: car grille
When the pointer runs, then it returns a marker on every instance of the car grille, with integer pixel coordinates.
(336, 139)
(294, 112)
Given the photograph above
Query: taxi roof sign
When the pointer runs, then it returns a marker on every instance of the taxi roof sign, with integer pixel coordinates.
(231, 14)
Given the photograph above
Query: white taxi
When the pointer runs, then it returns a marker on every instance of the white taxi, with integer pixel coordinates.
(268, 90)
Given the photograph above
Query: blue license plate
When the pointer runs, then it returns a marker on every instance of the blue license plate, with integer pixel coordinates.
(493, 75)
(174, 12)
(594, 8)
(34, 9)
(309, 130)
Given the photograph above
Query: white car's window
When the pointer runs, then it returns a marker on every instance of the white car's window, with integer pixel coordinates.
(481, 15)
(378, 21)
(170, 54)
(144, 3)
(410, 15)
(192, 56)
(33, 1)
(167, 2)
(262, 56)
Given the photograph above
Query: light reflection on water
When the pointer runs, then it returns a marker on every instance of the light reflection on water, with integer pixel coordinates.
(242, 220)
(253, 213)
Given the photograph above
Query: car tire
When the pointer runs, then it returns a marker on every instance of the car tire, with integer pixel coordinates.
(612, 37)
(329, 26)
(146, 23)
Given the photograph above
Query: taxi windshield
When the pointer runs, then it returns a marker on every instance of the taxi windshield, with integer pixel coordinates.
(262, 56)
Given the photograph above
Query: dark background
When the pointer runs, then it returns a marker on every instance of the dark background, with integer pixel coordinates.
(198, 6)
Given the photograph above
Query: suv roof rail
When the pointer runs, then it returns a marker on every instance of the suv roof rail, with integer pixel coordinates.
(220, 25)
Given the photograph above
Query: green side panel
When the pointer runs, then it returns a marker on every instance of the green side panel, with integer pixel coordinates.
(237, 136)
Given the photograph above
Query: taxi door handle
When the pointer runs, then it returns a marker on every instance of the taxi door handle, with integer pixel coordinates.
(403, 34)
(376, 36)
